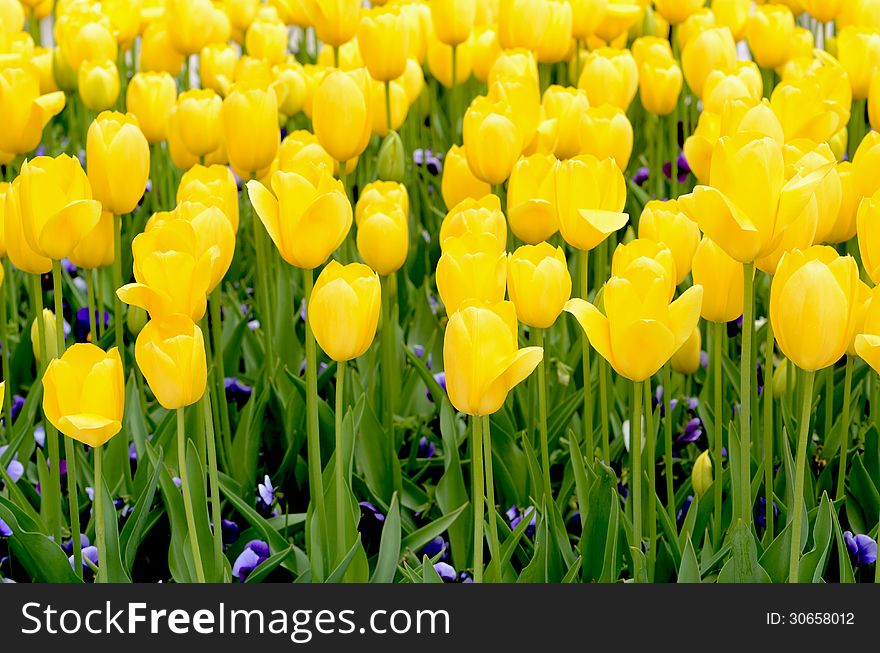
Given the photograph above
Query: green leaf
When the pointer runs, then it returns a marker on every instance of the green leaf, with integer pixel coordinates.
(376, 455)
(389, 546)
(776, 557)
(44, 560)
(813, 563)
(417, 540)
(845, 569)
(266, 567)
(338, 574)
(451, 493)
(599, 535)
(689, 571)
(114, 570)
(743, 566)
(429, 574)
(195, 471)
(136, 526)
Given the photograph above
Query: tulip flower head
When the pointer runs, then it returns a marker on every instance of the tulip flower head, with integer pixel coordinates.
(701, 476)
(151, 97)
(475, 217)
(722, 279)
(531, 198)
(458, 182)
(118, 157)
(341, 114)
(24, 111)
(212, 186)
(492, 140)
(663, 221)
(538, 283)
(471, 268)
(170, 352)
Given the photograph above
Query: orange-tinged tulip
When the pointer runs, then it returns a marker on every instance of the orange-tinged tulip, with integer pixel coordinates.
(471, 268)
(475, 217)
(118, 157)
(722, 280)
(170, 353)
(531, 198)
(458, 182)
(590, 196)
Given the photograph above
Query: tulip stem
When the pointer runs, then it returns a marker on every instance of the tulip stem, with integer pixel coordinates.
(388, 106)
(603, 407)
(93, 318)
(768, 430)
(313, 441)
(844, 429)
(4, 350)
(341, 494)
(589, 445)
(745, 435)
(667, 439)
(220, 369)
(117, 280)
(635, 439)
(490, 497)
(477, 485)
(651, 455)
(99, 515)
(718, 434)
(542, 419)
(387, 349)
(453, 127)
(214, 477)
(187, 496)
(796, 511)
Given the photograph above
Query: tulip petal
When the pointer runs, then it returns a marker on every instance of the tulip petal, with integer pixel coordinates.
(524, 362)
(64, 230)
(92, 430)
(868, 349)
(641, 348)
(723, 222)
(266, 206)
(50, 105)
(684, 314)
(605, 222)
(321, 230)
(594, 324)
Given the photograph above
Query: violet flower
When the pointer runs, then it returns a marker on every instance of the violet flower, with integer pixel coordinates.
(642, 175)
(236, 391)
(692, 432)
(5, 530)
(446, 572)
(862, 549)
(252, 556)
(437, 547)
(266, 497)
(426, 448)
(15, 469)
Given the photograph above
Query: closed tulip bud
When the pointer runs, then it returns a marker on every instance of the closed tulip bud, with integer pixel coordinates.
(249, 120)
(610, 76)
(383, 36)
(217, 66)
(242, 13)
(86, 35)
(701, 476)
(458, 182)
(812, 306)
(567, 107)
(118, 158)
(641, 257)
(23, 110)
(492, 140)
(136, 319)
(383, 236)
(538, 283)
(335, 21)
(471, 268)
(770, 33)
(663, 221)
(712, 49)
(57, 209)
(687, 359)
(48, 318)
(267, 38)
(845, 223)
(607, 133)
(485, 49)
(453, 20)
(341, 115)
(193, 24)
(481, 357)
(65, 75)
(440, 62)
(865, 165)
(98, 84)
(17, 248)
(211, 186)
(84, 394)
(640, 330)
(96, 249)
(858, 50)
(157, 53)
(555, 42)
(531, 198)
(343, 309)
(307, 214)
(659, 85)
(722, 280)
(291, 78)
(522, 23)
(198, 116)
(382, 192)
(170, 353)
(301, 148)
(151, 97)
(473, 218)
(590, 195)
(868, 229)
(391, 164)
(172, 272)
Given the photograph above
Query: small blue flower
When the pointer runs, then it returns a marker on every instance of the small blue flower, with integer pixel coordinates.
(89, 553)
(437, 546)
(229, 531)
(418, 350)
(266, 496)
(132, 452)
(692, 432)
(515, 517)
(761, 509)
(15, 469)
(40, 435)
(17, 405)
(641, 176)
(252, 556)
(440, 378)
(446, 572)
(683, 511)
(862, 549)
(426, 448)
(67, 545)
(5, 530)
(236, 391)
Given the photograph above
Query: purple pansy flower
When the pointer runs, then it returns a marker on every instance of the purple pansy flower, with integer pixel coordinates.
(266, 497)
(81, 326)
(230, 531)
(90, 554)
(5, 531)
(426, 448)
(515, 517)
(236, 391)
(862, 549)
(446, 572)
(437, 546)
(67, 545)
(692, 432)
(683, 511)
(252, 556)
(418, 350)
(15, 469)
(683, 169)
(17, 405)
(642, 175)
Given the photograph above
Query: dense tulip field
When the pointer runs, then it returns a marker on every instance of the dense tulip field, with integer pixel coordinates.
(440, 291)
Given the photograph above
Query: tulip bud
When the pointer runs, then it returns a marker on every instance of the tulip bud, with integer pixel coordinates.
(335, 21)
(458, 182)
(51, 336)
(474, 218)
(858, 50)
(590, 195)
(492, 140)
(84, 394)
(136, 319)
(471, 268)
(391, 165)
(151, 97)
(98, 84)
(198, 117)
(453, 20)
(711, 49)
(343, 309)
(249, 123)
(383, 39)
(118, 158)
(531, 198)
(157, 53)
(722, 280)
(701, 476)
(212, 186)
(687, 359)
(482, 359)
(610, 77)
(770, 33)
(538, 283)
(341, 114)
(170, 353)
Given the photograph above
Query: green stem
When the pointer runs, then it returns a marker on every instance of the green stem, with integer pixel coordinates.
(341, 494)
(768, 430)
(477, 485)
(800, 462)
(603, 408)
(313, 441)
(667, 439)
(829, 401)
(220, 370)
(4, 342)
(388, 106)
(187, 496)
(263, 300)
(652, 478)
(93, 318)
(490, 492)
(745, 449)
(844, 429)
(387, 349)
(718, 435)
(542, 419)
(117, 281)
(99, 514)
(589, 445)
(635, 442)
(214, 477)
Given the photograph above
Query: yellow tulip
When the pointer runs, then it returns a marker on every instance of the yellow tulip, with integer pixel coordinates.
(743, 83)
(198, 115)
(701, 476)
(98, 83)
(712, 49)
(151, 97)
(531, 198)
(804, 156)
(770, 33)
(217, 63)
(301, 148)
(586, 17)
(242, 13)
(307, 214)
(492, 140)
(341, 115)
(644, 257)
(125, 18)
(267, 38)
(538, 283)
(96, 249)
(170, 352)
(85, 35)
(474, 217)
(659, 85)
(84, 394)
(555, 41)
(640, 330)
(193, 24)
(157, 53)
(676, 11)
(439, 57)
(865, 165)
(118, 157)
(607, 133)
(522, 23)
(482, 359)
(485, 49)
(12, 13)
(48, 318)
(665, 223)
(722, 280)
(567, 107)
(805, 112)
(471, 268)
(3, 188)
(858, 50)
(733, 14)
(211, 186)
(867, 340)
(344, 308)
(20, 252)
(610, 76)
(383, 39)
(412, 80)
(23, 110)
(172, 272)
(868, 229)
(382, 217)
(458, 182)
(335, 21)
(453, 20)
(812, 306)
(845, 223)
(249, 122)
(590, 195)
